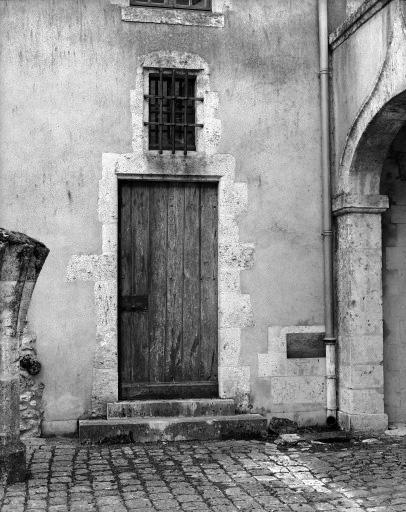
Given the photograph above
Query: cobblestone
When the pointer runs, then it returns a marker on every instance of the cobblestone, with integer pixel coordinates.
(226, 476)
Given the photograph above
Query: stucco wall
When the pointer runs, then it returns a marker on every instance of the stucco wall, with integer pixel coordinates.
(67, 72)
(356, 66)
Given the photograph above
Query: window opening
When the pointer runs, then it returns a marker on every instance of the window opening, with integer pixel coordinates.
(172, 110)
(202, 5)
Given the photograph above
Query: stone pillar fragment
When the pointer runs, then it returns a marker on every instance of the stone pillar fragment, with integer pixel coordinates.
(21, 260)
(359, 312)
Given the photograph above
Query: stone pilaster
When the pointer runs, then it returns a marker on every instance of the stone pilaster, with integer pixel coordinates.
(21, 260)
(359, 312)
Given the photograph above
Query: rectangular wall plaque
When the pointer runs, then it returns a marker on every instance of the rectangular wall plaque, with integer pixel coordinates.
(303, 345)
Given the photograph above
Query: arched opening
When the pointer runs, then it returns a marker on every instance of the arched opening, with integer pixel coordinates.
(371, 385)
(393, 185)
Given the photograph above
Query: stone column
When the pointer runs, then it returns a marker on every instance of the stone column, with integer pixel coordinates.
(359, 312)
(21, 260)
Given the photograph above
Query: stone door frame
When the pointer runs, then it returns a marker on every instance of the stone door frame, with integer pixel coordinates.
(357, 207)
(235, 310)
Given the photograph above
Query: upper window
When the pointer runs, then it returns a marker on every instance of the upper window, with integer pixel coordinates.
(172, 110)
(202, 5)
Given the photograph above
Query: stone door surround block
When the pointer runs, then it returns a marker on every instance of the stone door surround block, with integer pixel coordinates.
(235, 309)
(21, 260)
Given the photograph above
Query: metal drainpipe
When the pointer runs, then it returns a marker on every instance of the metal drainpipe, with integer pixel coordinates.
(330, 340)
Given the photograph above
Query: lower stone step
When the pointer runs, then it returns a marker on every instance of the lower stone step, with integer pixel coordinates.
(146, 430)
(178, 408)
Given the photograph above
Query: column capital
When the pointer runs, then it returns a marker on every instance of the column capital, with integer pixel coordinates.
(359, 203)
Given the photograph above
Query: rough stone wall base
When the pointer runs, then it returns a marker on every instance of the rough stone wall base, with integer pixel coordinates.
(31, 391)
(363, 422)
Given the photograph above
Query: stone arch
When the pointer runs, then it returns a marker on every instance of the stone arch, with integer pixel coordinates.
(378, 120)
(357, 206)
(366, 167)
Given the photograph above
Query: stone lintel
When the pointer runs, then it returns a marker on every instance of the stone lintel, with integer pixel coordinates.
(172, 16)
(358, 203)
(21, 260)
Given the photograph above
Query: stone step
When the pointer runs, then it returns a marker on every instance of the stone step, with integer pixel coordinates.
(178, 408)
(147, 429)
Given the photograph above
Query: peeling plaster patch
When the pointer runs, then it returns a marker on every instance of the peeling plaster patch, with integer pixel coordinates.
(235, 310)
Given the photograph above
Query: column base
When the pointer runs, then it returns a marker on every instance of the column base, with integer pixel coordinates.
(363, 422)
(13, 463)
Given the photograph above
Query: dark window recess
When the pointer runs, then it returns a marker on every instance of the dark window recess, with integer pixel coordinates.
(305, 345)
(172, 110)
(201, 5)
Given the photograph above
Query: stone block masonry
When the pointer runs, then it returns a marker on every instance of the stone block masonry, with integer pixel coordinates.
(21, 260)
(296, 386)
(31, 391)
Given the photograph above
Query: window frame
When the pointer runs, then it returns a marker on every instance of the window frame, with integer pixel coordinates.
(172, 98)
(171, 4)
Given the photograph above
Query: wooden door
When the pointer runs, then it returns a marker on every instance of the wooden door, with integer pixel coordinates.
(168, 289)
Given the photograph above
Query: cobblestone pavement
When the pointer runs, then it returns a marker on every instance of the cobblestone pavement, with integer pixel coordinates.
(212, 476)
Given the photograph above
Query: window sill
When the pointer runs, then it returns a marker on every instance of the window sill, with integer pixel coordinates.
(172, 16)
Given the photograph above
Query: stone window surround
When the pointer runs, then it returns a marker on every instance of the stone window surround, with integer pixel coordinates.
(235, 310)
(138, 14)
(201, 80)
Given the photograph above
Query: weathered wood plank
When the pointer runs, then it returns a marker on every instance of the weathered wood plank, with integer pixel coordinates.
(208, 285)
(158, 215)
(172, 390)
(191, 285)
(174, 285)
(125, 282)
(133, 278)
(138, 363)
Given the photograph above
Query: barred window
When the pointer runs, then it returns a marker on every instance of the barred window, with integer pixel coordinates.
(202, 5)
(172, 110)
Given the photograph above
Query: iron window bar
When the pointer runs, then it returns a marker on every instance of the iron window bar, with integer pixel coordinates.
(198, 5)
(179, 111)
